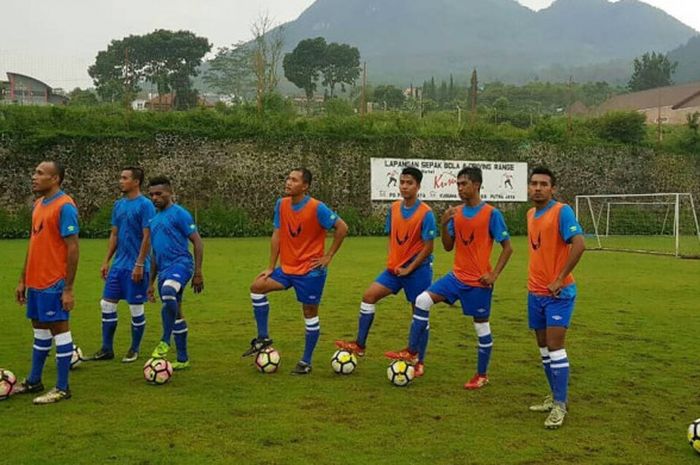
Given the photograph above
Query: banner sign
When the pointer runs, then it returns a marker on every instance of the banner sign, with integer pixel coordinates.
(503, 181)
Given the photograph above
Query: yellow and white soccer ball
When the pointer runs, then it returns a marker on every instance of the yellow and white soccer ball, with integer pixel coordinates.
(157, 371)
(343, 362)
(694, 435)
(400, 373)
(268, 360)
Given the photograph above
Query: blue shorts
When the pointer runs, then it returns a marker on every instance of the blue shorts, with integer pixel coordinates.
(412, 285)
(476, 301)
(178, 273)
(308, 287)
(119, 286)
(544, 311)
(45, 305)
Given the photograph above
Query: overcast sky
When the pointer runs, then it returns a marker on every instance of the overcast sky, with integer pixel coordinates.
(57, 41)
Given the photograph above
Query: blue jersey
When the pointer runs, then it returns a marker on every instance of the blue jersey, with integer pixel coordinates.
(131, 217)
(170, 231)
(497, 224)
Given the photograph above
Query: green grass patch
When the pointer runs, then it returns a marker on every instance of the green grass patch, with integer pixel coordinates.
(632, 349)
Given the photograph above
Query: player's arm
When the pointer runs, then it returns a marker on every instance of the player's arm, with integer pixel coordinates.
(339, 233)
(150, 293)
(198, 277)
(578, 246)
(21, 290)
(137, 272)
(448, 240)
(111, 248)
(506, 251)
(73, 254)
(425, 252)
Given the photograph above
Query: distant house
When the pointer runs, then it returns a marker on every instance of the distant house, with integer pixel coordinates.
(164, 102)
(26, 90)
(672, 102)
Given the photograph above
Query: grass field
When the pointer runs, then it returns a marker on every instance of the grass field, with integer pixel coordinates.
(635, 378)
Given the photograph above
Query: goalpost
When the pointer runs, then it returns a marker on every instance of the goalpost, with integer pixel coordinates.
(663, 223)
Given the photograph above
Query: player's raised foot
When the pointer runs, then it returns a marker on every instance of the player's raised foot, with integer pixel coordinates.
(161, 350)
(419, 369)
(256, 345)
(544, 406)
(181, 365)
(53, 396)
(302, 368)
(556, 416)
(477, 382)
(25, 387)
(102, 355)
(351, 346)
(131, 356)
(406, 355)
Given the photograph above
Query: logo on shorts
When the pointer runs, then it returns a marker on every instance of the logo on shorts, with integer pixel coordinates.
(294, 233)
(312, 297)
(536, 244)
(139, 296)
(401, 242)
(481, 310)
(466, 242)
(176, 275)
(557, 317)
(51, 313)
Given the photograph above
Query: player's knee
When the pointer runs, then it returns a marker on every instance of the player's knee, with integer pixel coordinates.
(424, 301)
(168, 293)
(258, 287)
(369, 297)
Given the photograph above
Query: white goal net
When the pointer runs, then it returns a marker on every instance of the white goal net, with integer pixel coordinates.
(647, 223)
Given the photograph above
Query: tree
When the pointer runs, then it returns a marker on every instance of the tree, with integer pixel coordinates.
(267, 53)
(341, 65)
(231, 71)
(651, 71)
(82, 98)
(165, 58)
(392, 96)
(302, 67)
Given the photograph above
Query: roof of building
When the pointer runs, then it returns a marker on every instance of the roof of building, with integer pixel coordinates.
(670, 96)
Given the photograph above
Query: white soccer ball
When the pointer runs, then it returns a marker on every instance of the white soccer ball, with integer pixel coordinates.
(157, 371)
(343, 362)
(7, 383)
(76, 358)
(694, 435)
(400, 373)
(268, 360)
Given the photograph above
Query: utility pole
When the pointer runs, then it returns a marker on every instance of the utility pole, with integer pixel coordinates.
(569, 122)
(659, 132)
(363, 95)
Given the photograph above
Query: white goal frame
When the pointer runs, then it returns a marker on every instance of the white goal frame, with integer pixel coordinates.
(671, 218)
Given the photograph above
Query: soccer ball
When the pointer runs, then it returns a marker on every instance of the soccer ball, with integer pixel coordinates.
(7, 383)
(400, 373)
(694, 435)
(157, 371)
(343, 362)
(76, 358)
(267, 360)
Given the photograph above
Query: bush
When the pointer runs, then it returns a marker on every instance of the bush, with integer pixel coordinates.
(221, 220)
(360, 224)
(17, 225)
(622, 127)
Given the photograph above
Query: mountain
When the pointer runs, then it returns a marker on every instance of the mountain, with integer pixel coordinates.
(688, 58)
(411, 40)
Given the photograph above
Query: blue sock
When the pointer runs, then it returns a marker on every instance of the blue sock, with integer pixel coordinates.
(546, 364)
(418, 325)
(261, 310)
(313, 332)
(483, 332)
(365, 323)
(138, 325)
(64, 350)
(423, 345)
(560, 374)
(109, 324)
(41, 349)
(180, 335)
(168, 295)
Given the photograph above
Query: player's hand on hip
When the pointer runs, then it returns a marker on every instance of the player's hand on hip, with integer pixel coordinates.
(67, 300)
(137, 274)
(198, 283)
(104, 271)
(555, 287)
(320, 262)
(402, 271)
(21, 294)
(487, 279)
